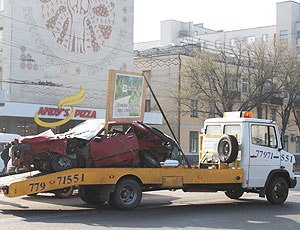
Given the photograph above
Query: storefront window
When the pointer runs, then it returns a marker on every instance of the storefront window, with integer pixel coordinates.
(26, 128)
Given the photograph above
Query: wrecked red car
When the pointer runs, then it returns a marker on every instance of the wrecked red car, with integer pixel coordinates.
(132, 144)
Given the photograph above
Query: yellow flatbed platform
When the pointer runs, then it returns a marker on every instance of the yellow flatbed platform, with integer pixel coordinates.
(168, 178)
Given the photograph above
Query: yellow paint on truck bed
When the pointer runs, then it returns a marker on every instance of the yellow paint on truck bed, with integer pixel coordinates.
(88, 176)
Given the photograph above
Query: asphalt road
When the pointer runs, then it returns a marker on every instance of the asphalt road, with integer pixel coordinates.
(158, 210)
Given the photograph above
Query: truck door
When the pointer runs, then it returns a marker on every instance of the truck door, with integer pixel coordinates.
(264, 154)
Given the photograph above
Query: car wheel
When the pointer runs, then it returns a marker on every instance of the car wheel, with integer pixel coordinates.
(127, 195)
(277, 191)
(149, 160)
(234, 193)
(228, 148)
(90, 194)
(60, 163)
(64, 193)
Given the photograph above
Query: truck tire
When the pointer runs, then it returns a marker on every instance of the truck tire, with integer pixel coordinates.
(148, 160)
(277, 191)
(64, 193)
(228, 148)
(127, 195)
(234, 193)
(90, 194)
(61, 163)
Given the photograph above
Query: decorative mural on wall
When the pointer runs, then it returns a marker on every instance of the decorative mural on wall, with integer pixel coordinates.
(69, 43)
(79, 25)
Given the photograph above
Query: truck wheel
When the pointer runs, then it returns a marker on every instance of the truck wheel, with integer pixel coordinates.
(60, 163)
(277, 191)
(234, 193)
(64, 193)
(228, 148)
(90, 194)
(127, 195)
(149, 160)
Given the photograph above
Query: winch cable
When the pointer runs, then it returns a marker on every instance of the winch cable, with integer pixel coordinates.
(166, 120)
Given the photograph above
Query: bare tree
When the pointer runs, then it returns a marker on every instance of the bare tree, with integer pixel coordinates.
(290, 81)
(231, 78)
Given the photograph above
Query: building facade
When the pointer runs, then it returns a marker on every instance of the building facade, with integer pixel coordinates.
(53, 50)
(161, 60)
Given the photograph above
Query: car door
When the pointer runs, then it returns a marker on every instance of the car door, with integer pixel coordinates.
(264, 153)
(118, 150)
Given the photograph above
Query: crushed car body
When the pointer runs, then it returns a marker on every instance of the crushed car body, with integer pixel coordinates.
(89, 144)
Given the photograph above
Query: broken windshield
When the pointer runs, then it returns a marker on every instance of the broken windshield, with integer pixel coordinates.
(87, 129)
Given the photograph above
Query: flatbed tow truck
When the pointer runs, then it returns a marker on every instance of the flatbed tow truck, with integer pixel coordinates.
(237, 154)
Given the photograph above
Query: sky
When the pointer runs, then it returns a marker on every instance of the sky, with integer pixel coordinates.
(215, 14)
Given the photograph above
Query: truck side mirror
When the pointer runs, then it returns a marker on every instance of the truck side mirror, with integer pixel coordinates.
(281, 144)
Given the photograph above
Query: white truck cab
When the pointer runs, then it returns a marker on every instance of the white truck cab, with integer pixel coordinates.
(268, 169)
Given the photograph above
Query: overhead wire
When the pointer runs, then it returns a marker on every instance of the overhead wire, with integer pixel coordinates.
(53, 31)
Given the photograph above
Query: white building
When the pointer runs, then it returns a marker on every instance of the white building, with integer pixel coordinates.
(50, 49)
(178, 33)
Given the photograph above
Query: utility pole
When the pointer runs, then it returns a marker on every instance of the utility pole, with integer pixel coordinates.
(179, 96)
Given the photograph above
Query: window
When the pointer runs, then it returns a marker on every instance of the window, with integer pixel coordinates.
(26, 128)
(272, 137)
(249, 40)
(203, 45)
(273, 114)
(259, 134)
(286, 95)
(298, 144)
(286, 143)
(148, 106)
(264, 135)
(212, 82)
(298, 116)
(283, 34)
(212, 111)
(194, 137)
(265, 37)
(259, 112)
(218, 44)
(1, 5)
(298, 38)
(232, 42)
(298, 50)
(251, 53)
(245, 86)
(233, 130)
(194, 108)
(232, 83)
(213, 129)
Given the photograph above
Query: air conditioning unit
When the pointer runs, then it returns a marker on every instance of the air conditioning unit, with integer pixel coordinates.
(295, 139)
